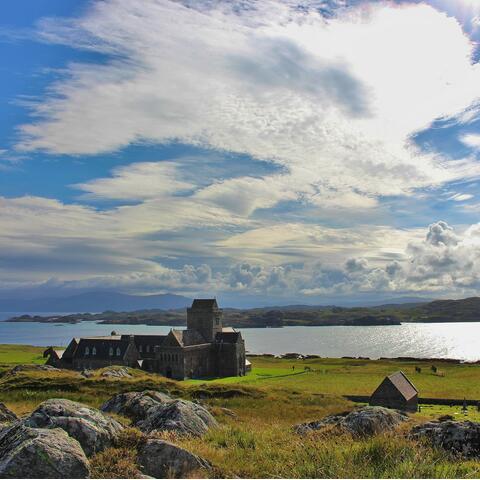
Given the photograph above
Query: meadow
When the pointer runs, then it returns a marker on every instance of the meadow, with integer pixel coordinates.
(256, 414)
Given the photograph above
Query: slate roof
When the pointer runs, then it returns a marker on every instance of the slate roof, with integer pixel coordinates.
(205, 303)
(174, 338)
(102, 347)
(403, 385)
(71, 349)
(228, 337)
(192, 337)
(147, 339)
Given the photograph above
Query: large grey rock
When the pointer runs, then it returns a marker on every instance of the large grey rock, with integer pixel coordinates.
(365, 421)
(459, 437)
(136, 405)
(181, 416)
(25, 368)
(94, 430)
(162, 459)
(40, 453)
(116, 372)
(6, 415)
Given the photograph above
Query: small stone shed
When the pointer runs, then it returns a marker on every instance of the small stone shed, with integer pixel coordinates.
(396, 391)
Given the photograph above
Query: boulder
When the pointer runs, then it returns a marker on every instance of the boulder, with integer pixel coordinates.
(181, 416)
(462, 438)
(365, 421)
(94, 430)
(40, 453)
(162, 459)
(6, 415)
(116, 372)
(135, 405)
(24, 368)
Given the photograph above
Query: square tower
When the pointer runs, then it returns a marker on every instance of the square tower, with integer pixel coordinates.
(205, 317)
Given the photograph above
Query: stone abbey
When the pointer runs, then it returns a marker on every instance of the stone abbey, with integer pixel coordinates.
(205, 349)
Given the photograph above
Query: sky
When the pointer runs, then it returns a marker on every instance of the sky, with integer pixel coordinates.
(263, 152)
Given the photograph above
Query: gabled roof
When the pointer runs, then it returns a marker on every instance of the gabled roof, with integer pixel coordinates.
(71, 349)
(174, 339)
(401, 383)
(205, 303)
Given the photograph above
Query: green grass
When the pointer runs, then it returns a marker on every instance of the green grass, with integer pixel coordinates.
(358, 377)
(17, 354)
(256, 414)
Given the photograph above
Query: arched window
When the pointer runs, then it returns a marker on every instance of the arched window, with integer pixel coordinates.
(94, 351)
(110, 351)
(140, 348)
(118, 351)
(87, 351)
(148, 348)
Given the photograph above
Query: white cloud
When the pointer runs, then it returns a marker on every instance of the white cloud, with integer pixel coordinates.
(139, 181)
(471, 140)
(333, 101)
(461, 197)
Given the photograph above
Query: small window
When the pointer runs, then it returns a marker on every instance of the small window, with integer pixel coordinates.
(110, 352)
(118, 351)
(94, 351)
(87, 351)
(148, 348)
(140, 348)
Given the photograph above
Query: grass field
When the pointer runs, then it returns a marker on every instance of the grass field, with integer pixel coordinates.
(359, 377)
(17, 354)
(256, 414)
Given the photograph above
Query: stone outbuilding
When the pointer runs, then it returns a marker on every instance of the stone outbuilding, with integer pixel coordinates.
(396, 391)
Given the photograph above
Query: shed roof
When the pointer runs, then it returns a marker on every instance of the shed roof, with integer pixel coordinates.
(402, 384)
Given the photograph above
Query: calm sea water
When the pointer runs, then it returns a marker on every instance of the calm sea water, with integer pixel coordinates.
(427, 340)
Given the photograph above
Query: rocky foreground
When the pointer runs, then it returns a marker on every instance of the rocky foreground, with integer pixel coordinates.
(60, 437)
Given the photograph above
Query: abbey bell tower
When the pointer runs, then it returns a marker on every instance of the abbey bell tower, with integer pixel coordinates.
(205, 317)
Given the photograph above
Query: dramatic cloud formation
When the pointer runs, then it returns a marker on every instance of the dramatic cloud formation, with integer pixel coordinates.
(332, 101)
(305, 116)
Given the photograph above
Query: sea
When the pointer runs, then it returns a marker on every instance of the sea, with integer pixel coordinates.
(420, 340)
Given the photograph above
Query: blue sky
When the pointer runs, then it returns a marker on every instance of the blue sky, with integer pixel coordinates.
(265, 153)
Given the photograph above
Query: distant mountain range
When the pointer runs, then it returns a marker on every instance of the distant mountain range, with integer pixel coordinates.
(466, 310)
(96, 302)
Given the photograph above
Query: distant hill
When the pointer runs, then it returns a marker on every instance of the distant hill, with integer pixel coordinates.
(170, 310)
(464, 310)
(97, 302)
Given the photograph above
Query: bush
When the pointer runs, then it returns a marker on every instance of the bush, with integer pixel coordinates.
(130, 439)
(115, 463)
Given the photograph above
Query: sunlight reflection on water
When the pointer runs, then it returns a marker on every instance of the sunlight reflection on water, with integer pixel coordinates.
(427, 340)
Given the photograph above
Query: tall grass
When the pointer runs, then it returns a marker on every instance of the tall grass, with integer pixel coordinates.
(255, 438)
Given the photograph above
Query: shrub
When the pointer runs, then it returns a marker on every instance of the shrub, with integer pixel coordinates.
(115, 463)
